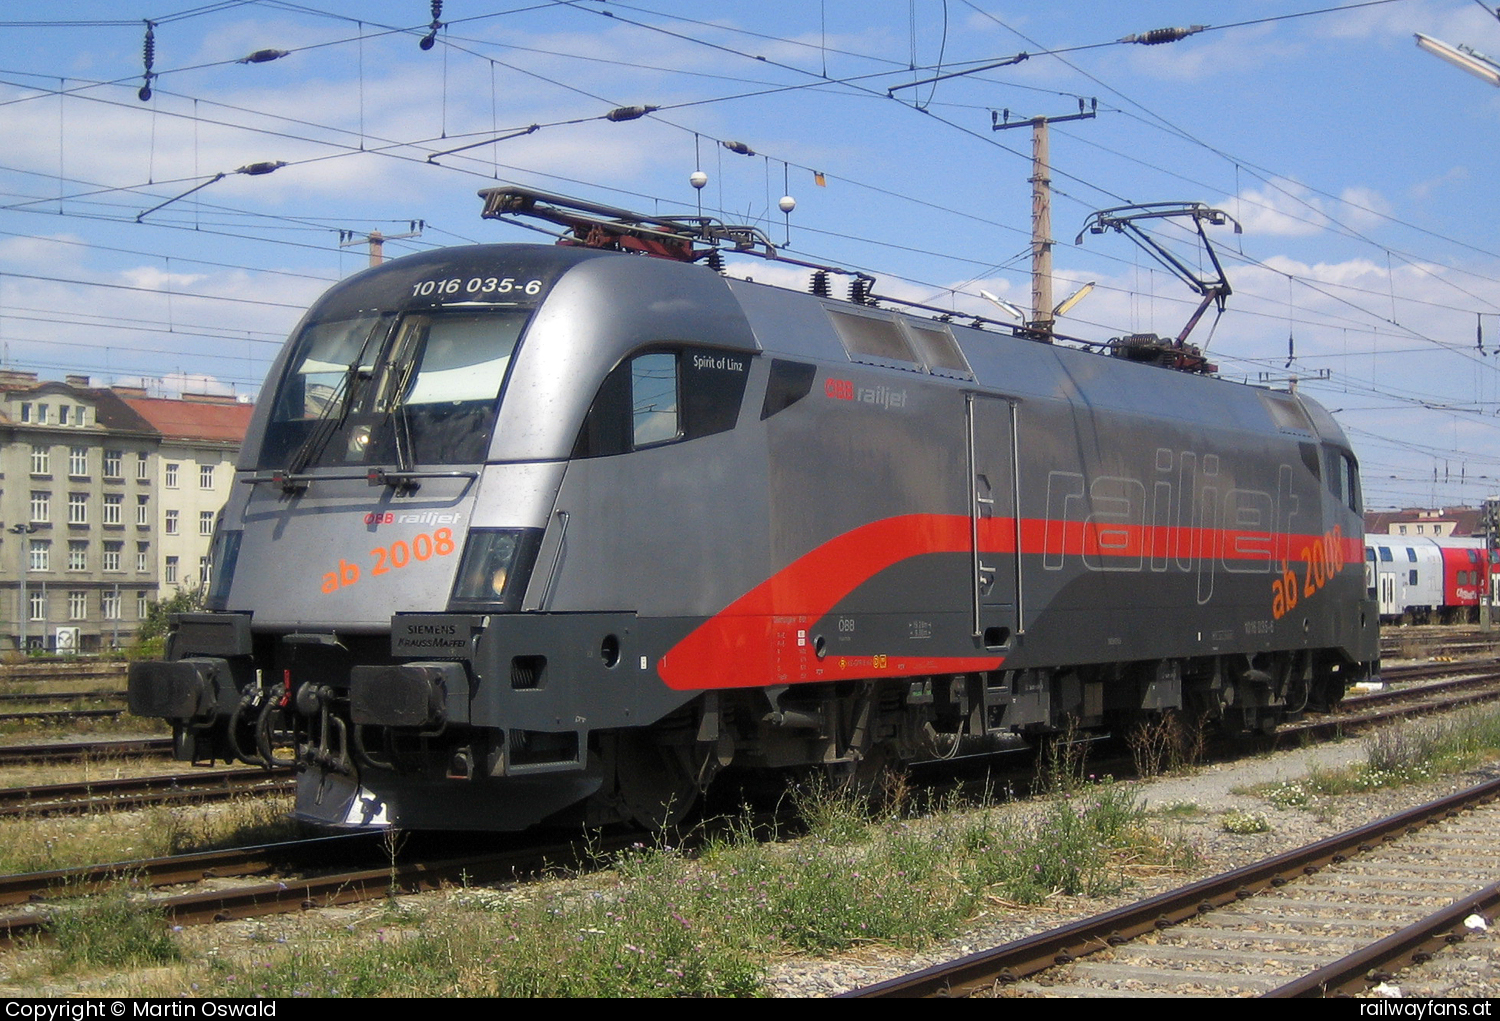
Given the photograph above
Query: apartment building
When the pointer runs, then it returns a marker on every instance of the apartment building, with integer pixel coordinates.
(85, 529)
(200, 439)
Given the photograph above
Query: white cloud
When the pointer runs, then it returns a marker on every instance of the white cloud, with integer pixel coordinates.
(1282, 208)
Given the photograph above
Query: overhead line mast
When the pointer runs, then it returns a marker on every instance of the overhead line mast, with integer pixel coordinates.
(1042, 311)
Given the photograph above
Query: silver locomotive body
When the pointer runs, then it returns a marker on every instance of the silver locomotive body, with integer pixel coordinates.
(528, 533)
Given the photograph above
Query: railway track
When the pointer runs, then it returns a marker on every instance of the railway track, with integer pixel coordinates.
(1336, 916)
(367, 882)
(76, 751)
(61, 697)
(61, 717)
(140, 792)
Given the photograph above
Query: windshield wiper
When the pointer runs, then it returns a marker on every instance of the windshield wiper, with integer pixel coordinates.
(328, 424)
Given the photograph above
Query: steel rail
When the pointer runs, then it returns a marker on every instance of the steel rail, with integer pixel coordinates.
(1063, 945)
(285, 896)
(134, 792)
(54, 697)
(171, 870)
(140, 747)
(61, 715)
(1414, 944)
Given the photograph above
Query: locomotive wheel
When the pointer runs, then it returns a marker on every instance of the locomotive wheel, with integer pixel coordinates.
(655, 787)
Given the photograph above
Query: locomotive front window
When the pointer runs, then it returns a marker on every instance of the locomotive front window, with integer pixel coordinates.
(317, 383)
(359, 392)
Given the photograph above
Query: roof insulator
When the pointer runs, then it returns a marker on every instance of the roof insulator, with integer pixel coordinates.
(1157, 36)
(819, 285)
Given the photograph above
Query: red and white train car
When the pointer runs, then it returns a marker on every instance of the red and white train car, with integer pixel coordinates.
(1427, 580)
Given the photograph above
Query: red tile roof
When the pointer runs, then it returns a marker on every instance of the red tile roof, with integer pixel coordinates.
(191, 419)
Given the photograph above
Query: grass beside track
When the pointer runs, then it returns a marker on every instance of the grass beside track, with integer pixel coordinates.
(1409, 752)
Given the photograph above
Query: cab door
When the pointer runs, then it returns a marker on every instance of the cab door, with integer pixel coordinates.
(994, 525)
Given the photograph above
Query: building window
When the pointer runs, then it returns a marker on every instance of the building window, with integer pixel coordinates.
(112, 504)
(78, 508)
(62, 414)
(26, 412)
(205, 522)
(112, 556)
(112, 461)
(82, 418)
(41, 461)
(171, 571)
(203, 571)
(141, 466)
(1403, 529)
(142, 557)
(41, 414)
(142, 605)
(38, 607)
(78, 605)
(171, 523)
(205, 476)
(41, 555)
(171, 476)
(109, 605)
(41, 507)
(78, 460)
(142, 511)
(78, 555)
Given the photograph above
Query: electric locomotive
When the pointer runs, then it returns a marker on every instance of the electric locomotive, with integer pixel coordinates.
(529, 533)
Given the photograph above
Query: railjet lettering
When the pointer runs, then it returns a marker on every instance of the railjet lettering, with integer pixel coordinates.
(845, 390)
(424, 518)
(1184, 519)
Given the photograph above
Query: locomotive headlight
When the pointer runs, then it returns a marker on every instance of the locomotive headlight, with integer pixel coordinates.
(359, 441)
(495, 565)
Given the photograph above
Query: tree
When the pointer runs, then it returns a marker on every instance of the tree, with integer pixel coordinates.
(151, 637)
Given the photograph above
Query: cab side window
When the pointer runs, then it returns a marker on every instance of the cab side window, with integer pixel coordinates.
(663, 396)
(653, 399)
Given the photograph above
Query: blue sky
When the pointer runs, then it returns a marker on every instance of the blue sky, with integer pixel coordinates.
(1360, 167)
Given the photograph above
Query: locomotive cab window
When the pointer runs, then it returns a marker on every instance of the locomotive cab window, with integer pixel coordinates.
(1342, 476)
(653, 399)
(358, 391)
(664, 396)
